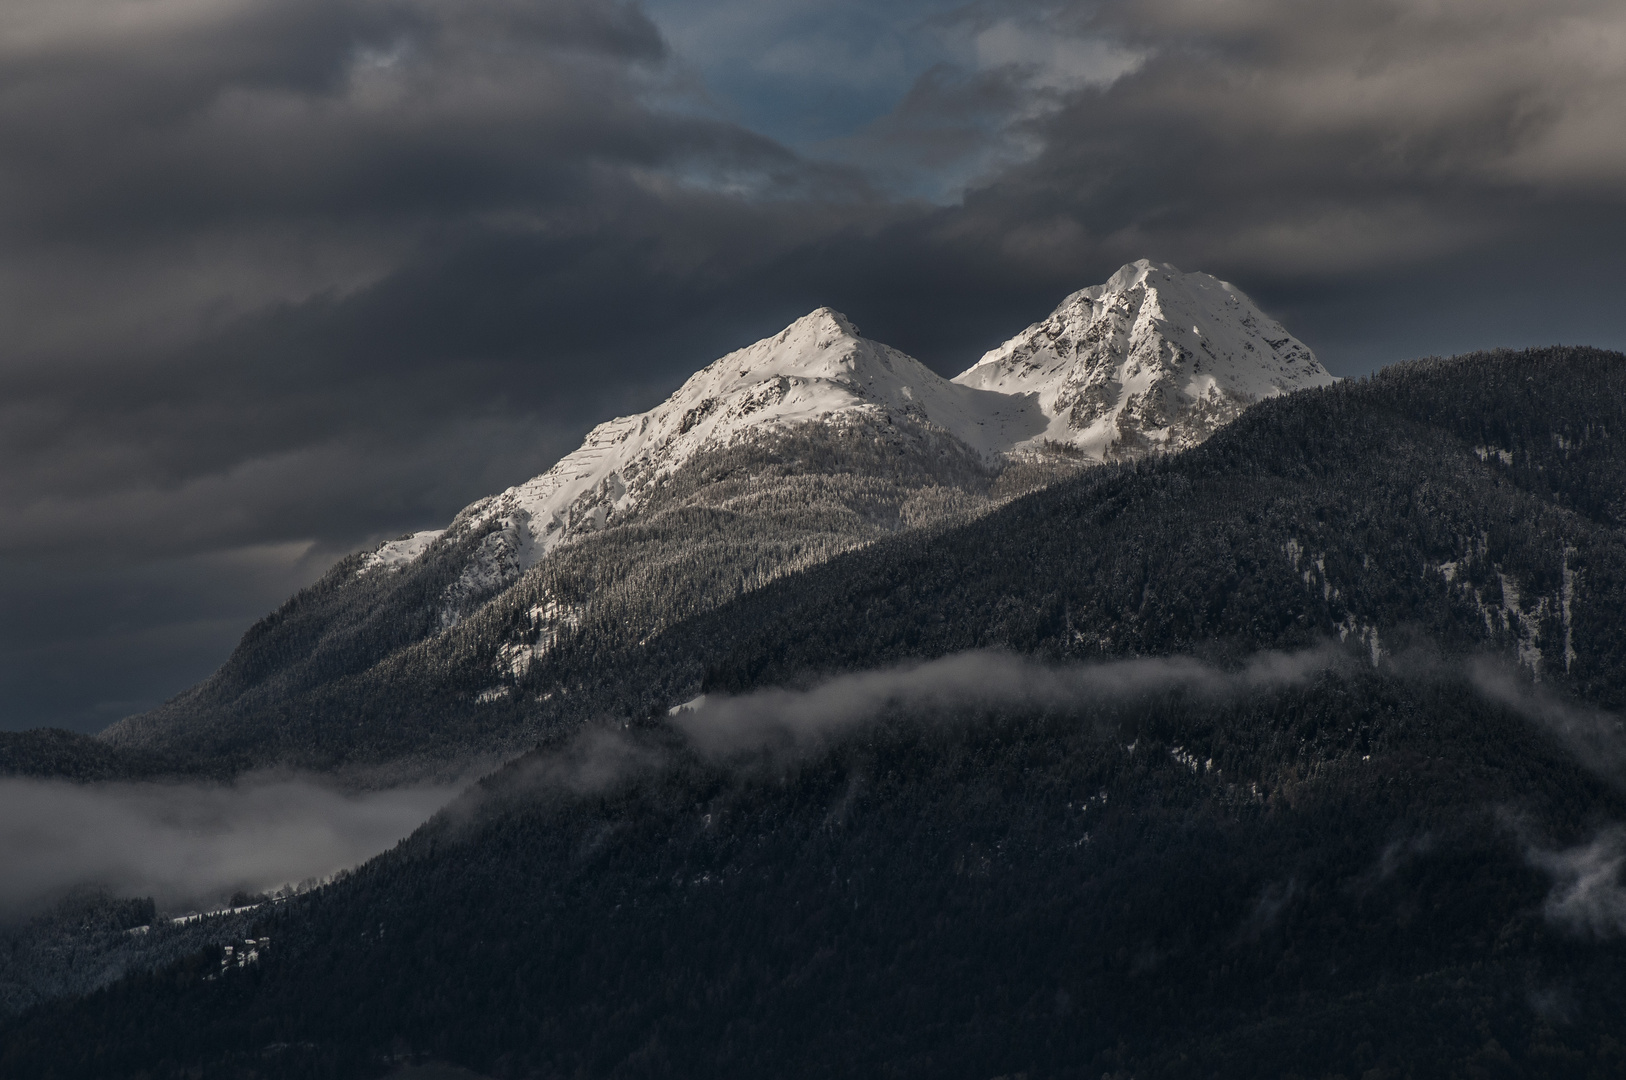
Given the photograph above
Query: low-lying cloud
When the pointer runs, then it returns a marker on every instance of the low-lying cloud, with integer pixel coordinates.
(192, 844)
(1597, 738)
(789, 723)
(802, 719)
(1588, 896)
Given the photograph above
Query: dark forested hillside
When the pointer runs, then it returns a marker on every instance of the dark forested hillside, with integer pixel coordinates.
(69, 755)
(1348, 872)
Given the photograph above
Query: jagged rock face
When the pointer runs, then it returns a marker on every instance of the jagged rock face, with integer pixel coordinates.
(1153, 360)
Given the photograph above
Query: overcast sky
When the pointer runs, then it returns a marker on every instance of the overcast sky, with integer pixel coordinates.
(279, 278)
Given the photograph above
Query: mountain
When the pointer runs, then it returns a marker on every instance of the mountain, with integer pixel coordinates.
(1463, 506)
(1294, 754)
(1153, 360)
(774, 458)
(1113, 372)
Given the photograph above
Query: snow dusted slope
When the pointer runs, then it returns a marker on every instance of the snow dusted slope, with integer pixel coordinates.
(818, 369)
(403, 550)
(1153, 360)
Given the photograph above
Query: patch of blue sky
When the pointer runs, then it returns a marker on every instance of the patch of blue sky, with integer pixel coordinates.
(804, 72)
(924, 97)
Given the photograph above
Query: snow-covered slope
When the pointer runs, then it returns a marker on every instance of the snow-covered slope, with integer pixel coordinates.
(1155, 359)
(818, 369)
(402, 551)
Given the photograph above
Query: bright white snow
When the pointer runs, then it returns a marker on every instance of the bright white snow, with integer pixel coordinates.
(399, 552)
(1153, 359)
(818, 369)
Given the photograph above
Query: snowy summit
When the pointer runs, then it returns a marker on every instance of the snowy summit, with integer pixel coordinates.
(1152, 360)
(1155, 359)
(818, 370)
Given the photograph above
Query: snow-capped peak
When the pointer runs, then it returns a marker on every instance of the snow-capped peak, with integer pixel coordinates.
(817, 369)
(1154, 359)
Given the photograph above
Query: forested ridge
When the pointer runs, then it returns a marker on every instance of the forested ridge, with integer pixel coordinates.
(71, 755)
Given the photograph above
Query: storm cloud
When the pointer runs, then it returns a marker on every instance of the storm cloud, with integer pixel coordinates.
(278, 279)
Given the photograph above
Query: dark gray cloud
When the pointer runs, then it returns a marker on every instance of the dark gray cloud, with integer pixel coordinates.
(283, 277)
(119, 633)
(1396, 178)
(192, 844)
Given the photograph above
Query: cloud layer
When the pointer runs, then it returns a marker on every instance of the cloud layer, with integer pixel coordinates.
(189, 843)
(781, 725)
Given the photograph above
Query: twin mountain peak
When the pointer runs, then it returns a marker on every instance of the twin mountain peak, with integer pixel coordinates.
(1154, 360)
